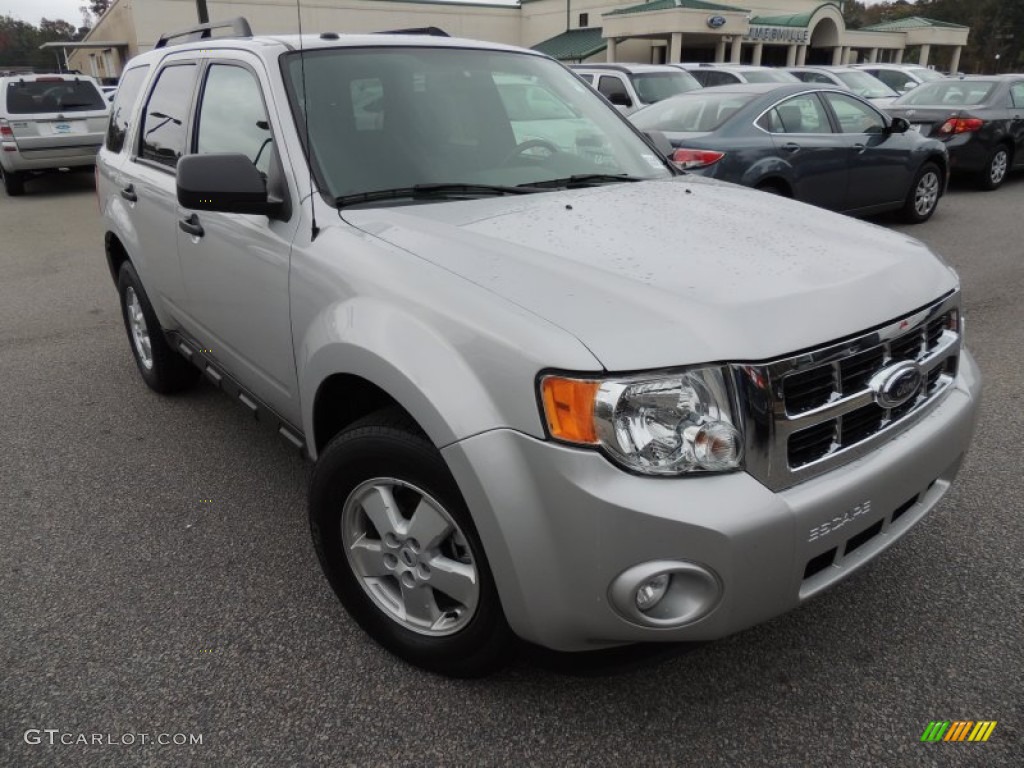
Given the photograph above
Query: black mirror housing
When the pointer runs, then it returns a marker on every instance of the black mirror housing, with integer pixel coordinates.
(227, 182)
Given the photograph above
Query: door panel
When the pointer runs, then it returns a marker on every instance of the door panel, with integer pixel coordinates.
(803, 139)
(880, 170)
(236, 271)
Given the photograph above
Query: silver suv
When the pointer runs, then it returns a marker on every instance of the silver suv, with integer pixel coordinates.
(552, 392)
(634, 86)
(48, 122)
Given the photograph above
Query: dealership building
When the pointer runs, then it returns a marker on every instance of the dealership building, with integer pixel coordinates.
(772, 32)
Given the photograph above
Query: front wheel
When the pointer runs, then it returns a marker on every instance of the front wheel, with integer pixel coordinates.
(996, 169)
(923, 198)
(399, 548)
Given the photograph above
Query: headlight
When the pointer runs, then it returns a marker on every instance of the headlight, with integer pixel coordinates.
(665, 424)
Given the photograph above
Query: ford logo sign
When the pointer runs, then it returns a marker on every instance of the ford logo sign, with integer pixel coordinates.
(897, 384)
(716, 21)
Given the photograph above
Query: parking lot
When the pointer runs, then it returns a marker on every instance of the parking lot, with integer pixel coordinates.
(157, 576)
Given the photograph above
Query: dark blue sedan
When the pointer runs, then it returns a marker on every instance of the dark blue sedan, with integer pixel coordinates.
(817, 144)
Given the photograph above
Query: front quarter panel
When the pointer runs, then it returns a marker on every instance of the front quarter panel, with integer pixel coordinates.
(458, 358)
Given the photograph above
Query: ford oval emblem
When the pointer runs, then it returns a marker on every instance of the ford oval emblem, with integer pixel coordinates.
(716, 21)
(897, 384)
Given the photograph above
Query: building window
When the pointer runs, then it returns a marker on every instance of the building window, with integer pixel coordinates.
(584, 19)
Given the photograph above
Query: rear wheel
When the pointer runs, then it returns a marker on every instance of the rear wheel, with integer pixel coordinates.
(14, 182)
(923, 197)
(996, 169)
(398, 546)
(163, 369)
(772, 188)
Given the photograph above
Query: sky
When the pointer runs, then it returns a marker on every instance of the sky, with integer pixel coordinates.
(34, 10)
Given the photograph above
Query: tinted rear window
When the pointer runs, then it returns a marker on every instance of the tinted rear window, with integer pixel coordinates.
(655, 86)
(43, 96)
(769, 76)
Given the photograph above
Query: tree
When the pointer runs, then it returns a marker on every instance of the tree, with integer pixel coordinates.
(20, 41)
(98, 7)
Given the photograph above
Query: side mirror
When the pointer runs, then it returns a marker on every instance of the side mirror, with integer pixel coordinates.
(899, 125)
(620, 99)
(227, 182)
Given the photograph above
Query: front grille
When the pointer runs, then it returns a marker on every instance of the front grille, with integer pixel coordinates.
(811, 412)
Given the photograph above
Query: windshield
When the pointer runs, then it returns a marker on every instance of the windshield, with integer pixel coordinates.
(53, 95)
(396, 118)
(864, 85)
(949, 93)
(696, 112)
(769, 76)
(653, 87)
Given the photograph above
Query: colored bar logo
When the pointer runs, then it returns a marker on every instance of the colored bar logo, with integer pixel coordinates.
(958, 730)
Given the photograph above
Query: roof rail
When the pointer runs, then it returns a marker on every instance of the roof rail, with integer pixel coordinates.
(239, 27)
(432, 31)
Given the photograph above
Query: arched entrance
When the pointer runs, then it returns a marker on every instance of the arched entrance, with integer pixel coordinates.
(824, 40)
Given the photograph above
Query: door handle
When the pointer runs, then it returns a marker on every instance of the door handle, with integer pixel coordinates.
(128, 193)
(791, 147)
(191, 226)
(859, 148)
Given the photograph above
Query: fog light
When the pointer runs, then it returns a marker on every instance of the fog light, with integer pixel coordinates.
(649, 593)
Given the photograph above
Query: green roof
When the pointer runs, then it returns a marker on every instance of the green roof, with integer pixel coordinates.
(665, 5)
(574, 45)
(787, 19)
(912, 22)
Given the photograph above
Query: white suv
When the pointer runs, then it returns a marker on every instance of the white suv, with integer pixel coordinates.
(48, 122)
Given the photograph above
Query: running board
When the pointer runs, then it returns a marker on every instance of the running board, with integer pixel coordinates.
(189, 349)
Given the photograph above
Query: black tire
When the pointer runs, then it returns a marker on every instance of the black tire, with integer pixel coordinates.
(923, 196)
(14, 182)
(997, 168)
(389, 445)
(169, 372)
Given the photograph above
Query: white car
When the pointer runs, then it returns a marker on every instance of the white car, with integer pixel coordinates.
(48, 122)
(901, 77)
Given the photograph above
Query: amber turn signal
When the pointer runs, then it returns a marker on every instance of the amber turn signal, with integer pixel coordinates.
(569, 408)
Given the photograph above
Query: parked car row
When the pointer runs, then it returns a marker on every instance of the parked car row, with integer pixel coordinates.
(48, 122)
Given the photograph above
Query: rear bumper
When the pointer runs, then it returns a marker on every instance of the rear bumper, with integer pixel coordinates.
(967, 154)
(559, 525)
(47, 159)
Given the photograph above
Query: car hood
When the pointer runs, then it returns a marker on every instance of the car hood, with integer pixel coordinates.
(674, 272)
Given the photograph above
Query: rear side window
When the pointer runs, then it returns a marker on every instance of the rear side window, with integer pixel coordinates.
(49, 95)
(123, 107)
(166, 115)
(1017, 94)
(610, 86)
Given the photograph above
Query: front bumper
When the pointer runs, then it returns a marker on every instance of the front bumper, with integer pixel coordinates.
(560, 524)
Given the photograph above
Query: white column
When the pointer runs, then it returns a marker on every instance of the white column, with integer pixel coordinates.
(899, 57)
(849, 56)
(801, 55)
(837, 56)
(791, 55)
(873, 56)
(954, 64)
(925, 53)
(611, 50)
(675, 51)
(758, 53)
(720, 51)
(737, 49)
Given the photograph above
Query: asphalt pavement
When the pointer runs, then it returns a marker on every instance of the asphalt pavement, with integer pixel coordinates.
(157, 579)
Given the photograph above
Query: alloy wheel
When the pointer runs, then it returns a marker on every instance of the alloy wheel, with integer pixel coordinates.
(410, 556)
(139, 329)
(1000, 165)
(926, 196)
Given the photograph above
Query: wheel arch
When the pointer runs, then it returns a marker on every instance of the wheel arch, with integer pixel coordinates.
(116, 254)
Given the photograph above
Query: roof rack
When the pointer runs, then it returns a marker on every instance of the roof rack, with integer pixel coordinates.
(432, 31)
(239, 28)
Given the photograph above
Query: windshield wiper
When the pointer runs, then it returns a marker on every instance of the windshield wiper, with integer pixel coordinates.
(585, 180)
(431, 191)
